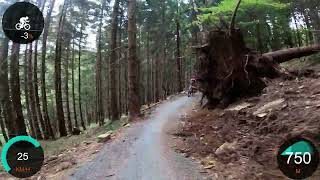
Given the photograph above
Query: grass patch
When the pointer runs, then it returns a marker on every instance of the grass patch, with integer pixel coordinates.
(58, 146)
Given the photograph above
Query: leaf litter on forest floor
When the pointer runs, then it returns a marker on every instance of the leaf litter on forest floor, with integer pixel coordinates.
(256, 130)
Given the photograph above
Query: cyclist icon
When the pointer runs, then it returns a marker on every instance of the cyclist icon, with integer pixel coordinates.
(23, 23)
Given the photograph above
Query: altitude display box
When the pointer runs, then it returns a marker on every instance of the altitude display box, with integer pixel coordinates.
(298, 158)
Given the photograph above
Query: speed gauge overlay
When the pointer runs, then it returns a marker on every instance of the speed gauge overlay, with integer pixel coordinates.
(298, 158)
(22, 156)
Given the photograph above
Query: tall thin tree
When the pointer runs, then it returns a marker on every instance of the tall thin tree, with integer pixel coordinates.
(32, 102)
(2, 125)
(99, 98)
(15, 90)
(36, 92)
(5, 100)
(79, 73)
(178, 53)
(73, 86)
(26, 93)
(66, 89)
(114, 114)
(45, 113)
(133, 98)
(57, 73)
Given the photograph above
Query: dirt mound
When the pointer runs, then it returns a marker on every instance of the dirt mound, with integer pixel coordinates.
(241, 142)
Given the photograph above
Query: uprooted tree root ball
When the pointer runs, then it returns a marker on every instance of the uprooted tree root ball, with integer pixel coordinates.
(227, 70)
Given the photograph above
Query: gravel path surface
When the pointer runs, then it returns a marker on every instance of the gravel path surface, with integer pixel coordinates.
(142, 151)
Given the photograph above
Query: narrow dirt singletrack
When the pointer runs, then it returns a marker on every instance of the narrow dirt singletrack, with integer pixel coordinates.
(143, 152)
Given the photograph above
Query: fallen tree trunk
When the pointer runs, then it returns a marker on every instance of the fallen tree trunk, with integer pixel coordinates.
(227, 70)
(291, 53)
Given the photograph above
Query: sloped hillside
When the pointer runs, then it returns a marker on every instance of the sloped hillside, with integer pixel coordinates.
(241, 142)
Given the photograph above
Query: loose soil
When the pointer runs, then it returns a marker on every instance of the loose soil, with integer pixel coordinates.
(254, 129)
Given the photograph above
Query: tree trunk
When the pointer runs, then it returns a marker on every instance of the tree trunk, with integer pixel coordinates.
(79, 83)
(152, 75)
(48, 126)
(27, 94)
(308, 24)
(162, 48)
(126, 83)
(180, 88)
(2, 125)
(195, 29)
(57, 74)
(107, 103)
(299, 38)
(79, 77)
(275, 42)
(112, 63)
(5, 100)
(66, 89)
(149, 71)
(233, 19)
(314, 14)
(133, 63)
(73, 88)
(258, 36)
(15, 90)
(99, 97)
(157, 79)
(36, 93)
(35, 81)
(291, 53)
(119, 66)
(99, 101)
(32, 97)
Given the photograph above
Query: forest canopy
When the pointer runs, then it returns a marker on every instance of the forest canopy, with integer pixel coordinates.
(92, 62)
(267, 24)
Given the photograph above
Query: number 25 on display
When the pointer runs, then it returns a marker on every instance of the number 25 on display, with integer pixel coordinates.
(22, 156)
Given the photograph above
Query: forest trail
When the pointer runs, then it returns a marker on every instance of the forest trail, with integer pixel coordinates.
(142, 151)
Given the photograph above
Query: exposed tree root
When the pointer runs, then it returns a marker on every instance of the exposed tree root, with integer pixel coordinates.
(227, 70)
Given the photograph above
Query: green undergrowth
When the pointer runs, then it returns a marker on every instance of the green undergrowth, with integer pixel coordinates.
(59, 145)
(304, 62)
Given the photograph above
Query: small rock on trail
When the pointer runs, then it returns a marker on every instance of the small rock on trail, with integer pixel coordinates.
(104, 137)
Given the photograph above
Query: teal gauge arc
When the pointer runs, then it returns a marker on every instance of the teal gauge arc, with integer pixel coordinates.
(22, 156)
(298, 158)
